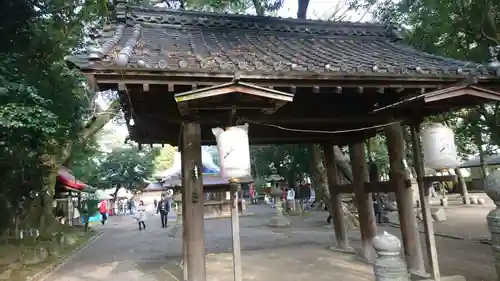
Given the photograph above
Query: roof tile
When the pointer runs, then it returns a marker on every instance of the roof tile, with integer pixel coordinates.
(192, 42)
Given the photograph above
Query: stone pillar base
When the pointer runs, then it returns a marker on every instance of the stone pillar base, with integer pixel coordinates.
(279, 221)
(348, 250)
(445, 278)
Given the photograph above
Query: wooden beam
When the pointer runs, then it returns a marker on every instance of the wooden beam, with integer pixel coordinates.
(430, 240)
(92, 82)
(184, 108)
(185, 223)
(235, 232)
(210, 78)
(453, 92)
(122, 87)
(276, 107)
(336, 200)
(404, 197)
(443, 178)
(193, 187)
(346, 119)
(233, 88)
(364, 200)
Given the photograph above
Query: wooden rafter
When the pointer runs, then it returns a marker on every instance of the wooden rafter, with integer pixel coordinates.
(274, 99)
(459, 91)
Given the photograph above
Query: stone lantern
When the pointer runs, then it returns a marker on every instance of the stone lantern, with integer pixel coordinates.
(279, 220)
(492, 189)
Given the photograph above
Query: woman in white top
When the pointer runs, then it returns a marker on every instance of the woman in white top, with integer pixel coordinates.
(290, 199)
(140, 215)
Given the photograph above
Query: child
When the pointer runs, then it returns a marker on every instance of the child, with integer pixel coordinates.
(141, 215)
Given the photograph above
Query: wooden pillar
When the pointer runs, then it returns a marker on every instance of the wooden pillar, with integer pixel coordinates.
(368, 226)
(336, 199)
(185, 224)
(424, 203)
(235, 232)
(193, 188)
(404, 198)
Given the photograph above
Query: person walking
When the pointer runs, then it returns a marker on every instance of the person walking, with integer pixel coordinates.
(103, 209)
(378, 205)
(290, 200)
(330, 218)
(129, 206)
(141, 215)
(163, 209)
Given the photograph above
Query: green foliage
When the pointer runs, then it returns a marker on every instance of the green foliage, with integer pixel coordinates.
(457, 29)
(127, 167)
(42, 102)
(165, 158)
(262, 7)
(47, 115)
(379, 154)
(292, 161)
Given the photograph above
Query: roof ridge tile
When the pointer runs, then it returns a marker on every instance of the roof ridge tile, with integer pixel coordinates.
(251, 22)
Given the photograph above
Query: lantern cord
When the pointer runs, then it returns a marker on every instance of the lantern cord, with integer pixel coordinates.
(242, 120)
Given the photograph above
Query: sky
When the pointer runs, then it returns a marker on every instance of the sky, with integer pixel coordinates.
(322, 9)
(318, 9)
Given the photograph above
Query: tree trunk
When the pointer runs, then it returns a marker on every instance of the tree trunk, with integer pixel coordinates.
(343, 164)
(40, 214)
(462, 184)
(320, 184)
(259, 9)
(302, 9)
(479, 143)
(118, 186)
(42, 207)
(91, 128)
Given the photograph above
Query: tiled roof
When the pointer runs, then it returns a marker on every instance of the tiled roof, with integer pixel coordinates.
(166, 40)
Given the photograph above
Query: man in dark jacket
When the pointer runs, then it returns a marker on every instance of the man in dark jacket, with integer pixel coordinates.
(163, 209)
(378, 206)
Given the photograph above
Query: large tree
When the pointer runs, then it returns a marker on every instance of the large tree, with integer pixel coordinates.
(127, 167)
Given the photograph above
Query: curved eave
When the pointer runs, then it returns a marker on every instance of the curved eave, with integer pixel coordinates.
(120, 75)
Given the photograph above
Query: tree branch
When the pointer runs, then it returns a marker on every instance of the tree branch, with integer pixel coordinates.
(259, 9)
(489, 19)
(99, 121)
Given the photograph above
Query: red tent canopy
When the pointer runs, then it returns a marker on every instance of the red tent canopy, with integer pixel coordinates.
(64, 177)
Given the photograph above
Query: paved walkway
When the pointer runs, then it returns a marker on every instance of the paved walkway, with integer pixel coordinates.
(466, 221)
(126, 254)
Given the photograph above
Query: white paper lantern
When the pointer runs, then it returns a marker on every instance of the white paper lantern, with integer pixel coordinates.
(234, 151)
(440, 151)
